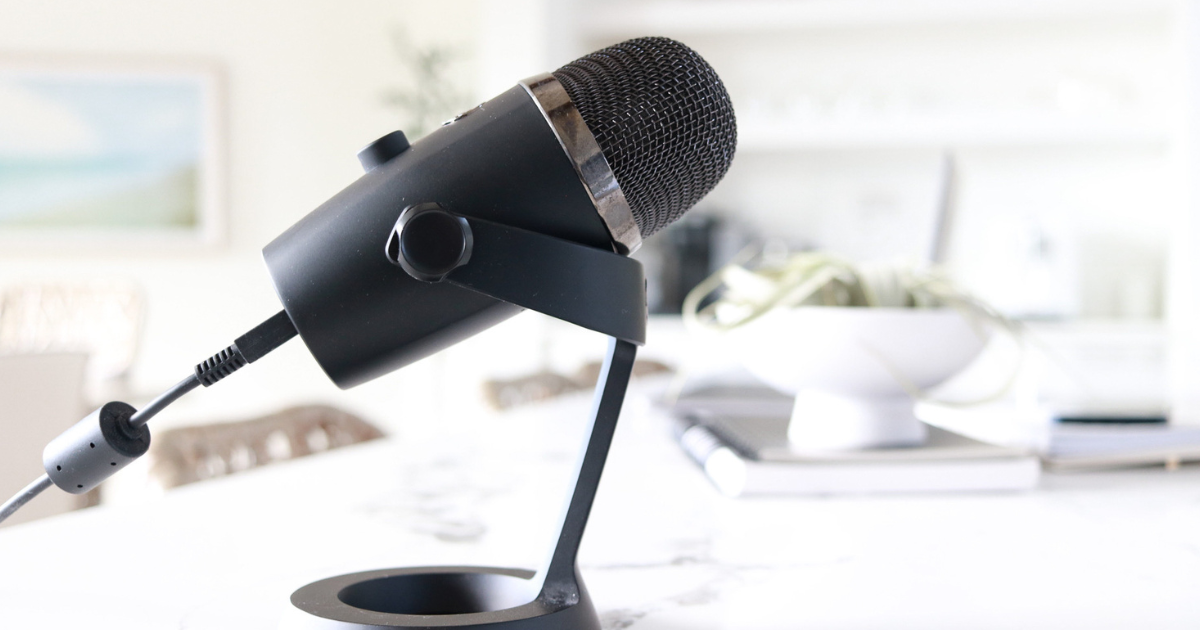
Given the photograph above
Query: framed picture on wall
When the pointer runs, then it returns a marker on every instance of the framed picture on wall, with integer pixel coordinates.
(110, 154)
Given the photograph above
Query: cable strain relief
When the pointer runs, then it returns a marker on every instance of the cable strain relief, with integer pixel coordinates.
(220, 365)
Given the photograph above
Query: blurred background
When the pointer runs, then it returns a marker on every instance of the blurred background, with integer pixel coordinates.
(1059, 137)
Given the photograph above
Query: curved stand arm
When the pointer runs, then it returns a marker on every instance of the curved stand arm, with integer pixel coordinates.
(560, 585)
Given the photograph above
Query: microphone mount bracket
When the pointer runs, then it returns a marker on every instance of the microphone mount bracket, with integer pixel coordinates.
(599, 290)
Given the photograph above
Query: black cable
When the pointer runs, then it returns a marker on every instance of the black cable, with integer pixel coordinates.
(143, 415)
(245, 350)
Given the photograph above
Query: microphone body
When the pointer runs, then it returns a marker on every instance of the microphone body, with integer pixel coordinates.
(361, 316)
(607, 150)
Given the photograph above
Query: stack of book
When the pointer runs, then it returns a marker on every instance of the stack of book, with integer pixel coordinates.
(1077, 445)
(739, 438)
(1076, 437)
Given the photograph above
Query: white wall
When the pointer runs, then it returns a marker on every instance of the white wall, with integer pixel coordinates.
(1060, 129)
(304, 91)
(1184, 303)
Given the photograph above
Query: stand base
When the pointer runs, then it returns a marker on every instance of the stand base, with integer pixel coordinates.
(484, 597)
(435, 597)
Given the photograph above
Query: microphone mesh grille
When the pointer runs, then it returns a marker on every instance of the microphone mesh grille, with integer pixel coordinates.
(662, 118)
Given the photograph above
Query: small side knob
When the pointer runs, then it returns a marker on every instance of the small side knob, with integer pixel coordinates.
(382, 150)
(428, 242)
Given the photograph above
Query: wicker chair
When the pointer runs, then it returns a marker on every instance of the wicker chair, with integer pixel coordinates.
(189, 454)
(101, 318)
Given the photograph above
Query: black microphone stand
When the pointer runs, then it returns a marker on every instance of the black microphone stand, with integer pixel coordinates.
(592, 288)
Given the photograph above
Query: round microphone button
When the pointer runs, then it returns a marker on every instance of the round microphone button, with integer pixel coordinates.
(383, 150)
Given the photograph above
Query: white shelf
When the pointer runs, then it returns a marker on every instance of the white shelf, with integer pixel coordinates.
(675, 17)
(785, 136)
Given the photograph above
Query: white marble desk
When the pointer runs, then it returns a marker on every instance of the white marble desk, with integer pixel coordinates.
(664, 550)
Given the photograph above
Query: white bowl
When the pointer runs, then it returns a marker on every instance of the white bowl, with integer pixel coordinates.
(853, 370)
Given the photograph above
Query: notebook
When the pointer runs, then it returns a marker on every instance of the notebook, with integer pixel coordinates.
(750, 455)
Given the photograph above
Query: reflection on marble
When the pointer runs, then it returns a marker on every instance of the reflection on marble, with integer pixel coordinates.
(438, 500)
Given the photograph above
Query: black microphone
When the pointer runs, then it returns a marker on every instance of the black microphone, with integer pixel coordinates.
(533, 199)
(530, 200)
(603, 152)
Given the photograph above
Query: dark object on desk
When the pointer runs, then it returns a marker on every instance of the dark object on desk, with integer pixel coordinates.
(189, 454)
(681, 260)
(1100, 411)
(1112, 418)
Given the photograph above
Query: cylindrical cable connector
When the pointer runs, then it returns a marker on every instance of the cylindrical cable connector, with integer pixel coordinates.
(95, 448)
(247, 349)
(220, 365)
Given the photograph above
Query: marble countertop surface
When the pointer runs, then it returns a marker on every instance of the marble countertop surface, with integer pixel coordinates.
(664, 550)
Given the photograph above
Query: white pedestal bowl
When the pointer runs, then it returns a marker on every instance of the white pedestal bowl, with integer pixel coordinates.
(853, 369)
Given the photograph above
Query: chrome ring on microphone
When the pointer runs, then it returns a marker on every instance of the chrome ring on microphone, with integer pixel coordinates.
(581, 146)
